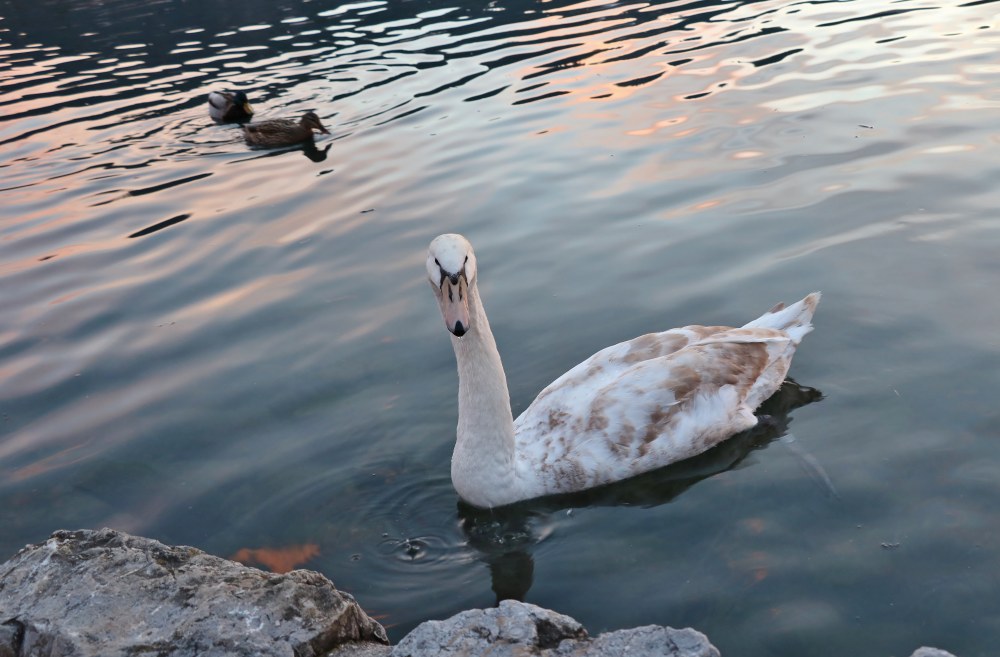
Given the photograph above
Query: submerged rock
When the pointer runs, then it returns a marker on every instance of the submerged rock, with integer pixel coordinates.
(106, 593)
(517, 629)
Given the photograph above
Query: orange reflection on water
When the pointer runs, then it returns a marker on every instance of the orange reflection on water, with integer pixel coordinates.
(55, 461)
(754, 564)
(753, 526)
(277, 560)
(61, 252)
(659, 125)
(245, 298)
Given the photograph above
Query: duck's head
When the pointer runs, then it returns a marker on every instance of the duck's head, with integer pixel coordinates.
(451, 271)
(311, 121)
(240, 98)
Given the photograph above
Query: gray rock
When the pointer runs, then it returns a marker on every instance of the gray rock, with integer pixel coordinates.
(109, 594)
(10, 639)
(106, 593)
(517, 629)
(359, 649)
(644, 641)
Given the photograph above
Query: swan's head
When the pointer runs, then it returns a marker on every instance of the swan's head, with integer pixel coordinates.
(451, 270)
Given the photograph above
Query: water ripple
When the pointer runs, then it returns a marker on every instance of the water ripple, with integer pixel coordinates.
(204, 342)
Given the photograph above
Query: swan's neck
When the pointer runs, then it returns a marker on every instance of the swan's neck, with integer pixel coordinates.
(482, 465)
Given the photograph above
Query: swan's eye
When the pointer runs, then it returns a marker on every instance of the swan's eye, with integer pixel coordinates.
(437, 263)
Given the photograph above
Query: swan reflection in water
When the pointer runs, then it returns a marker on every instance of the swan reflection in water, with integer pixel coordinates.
(505, 539)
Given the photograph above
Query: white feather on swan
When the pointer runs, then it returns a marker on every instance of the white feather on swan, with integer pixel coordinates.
(630, 408)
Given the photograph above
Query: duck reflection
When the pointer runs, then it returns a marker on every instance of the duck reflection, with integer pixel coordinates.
(316, 155)
(505, 537)
(308, 149)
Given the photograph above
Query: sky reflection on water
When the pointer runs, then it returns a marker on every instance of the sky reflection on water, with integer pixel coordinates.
(235, 349)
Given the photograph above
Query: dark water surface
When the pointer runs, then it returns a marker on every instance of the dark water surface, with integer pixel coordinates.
(236, 349)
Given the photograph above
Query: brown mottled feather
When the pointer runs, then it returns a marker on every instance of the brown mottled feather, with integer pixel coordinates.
(656, 395)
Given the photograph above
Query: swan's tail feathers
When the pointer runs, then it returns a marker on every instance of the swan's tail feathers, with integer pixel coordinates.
(795, 320)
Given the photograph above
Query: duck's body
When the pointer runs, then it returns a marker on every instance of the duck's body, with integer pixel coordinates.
(275, 133)
(229, 106)
(630, 408)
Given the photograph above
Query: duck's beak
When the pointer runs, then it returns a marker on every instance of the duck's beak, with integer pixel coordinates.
(454, 300)
(247, 108)
(323, 129)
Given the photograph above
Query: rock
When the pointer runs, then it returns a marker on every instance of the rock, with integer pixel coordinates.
(359, 649)
(648, 641)
(106, 593)
(931, 652)
(109, 594)
(517, 629)
(10, 639)
(506, 630)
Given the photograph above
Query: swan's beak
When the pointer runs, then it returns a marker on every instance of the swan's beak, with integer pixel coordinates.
(454, 299)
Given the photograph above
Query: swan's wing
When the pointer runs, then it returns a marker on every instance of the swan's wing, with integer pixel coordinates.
(608, 363)
(591, 430)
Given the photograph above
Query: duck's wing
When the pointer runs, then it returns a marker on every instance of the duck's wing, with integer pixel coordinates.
(274, 131)
(219, 102)
(220, 99)
(618, 414)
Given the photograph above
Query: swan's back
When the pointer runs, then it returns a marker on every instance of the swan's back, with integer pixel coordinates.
(654, 400)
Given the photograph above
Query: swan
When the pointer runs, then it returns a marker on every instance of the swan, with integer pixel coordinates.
(630, 408)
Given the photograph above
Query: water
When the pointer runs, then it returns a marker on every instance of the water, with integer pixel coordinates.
(236, 350)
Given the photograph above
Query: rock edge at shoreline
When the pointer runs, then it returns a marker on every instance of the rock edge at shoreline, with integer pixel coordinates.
(105, 593)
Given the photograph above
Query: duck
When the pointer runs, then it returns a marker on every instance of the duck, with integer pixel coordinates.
(229, 106)
(630, 408)
(275, 133)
